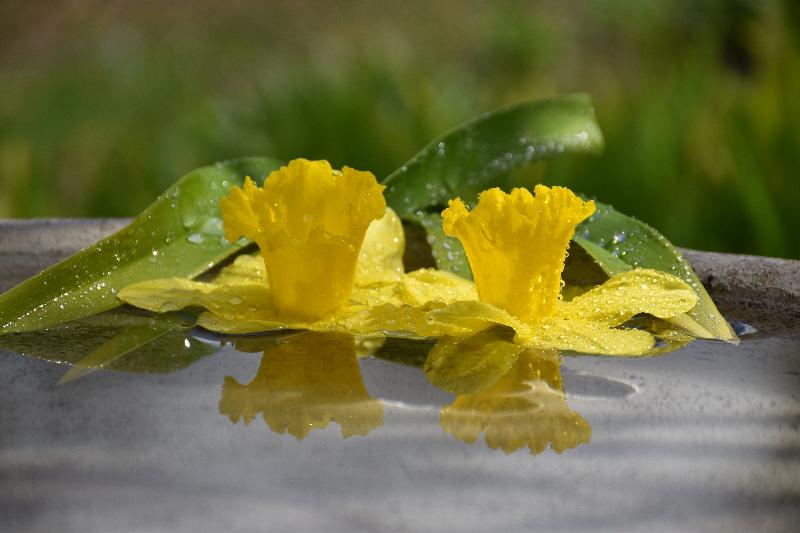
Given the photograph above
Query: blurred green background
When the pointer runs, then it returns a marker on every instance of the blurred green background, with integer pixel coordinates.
(104, 104)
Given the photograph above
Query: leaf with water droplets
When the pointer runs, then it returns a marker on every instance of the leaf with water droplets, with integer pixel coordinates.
(483, 153)
(179, 235)
(448, 253)
(618, 243)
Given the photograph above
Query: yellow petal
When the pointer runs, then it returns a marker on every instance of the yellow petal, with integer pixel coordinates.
(516, 245)
(474, 316)
(245, 268)
(418, 289)
(586, 337)
(303, 384)
(429, 285)
(240, 214)
(381, 256)
(399, 320)
(240, 300)
(628, 294)
(380, 259)
(309, 222)
(526, 407)
(240, 326)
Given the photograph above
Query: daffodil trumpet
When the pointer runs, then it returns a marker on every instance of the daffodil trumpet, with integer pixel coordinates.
(309, 222)
(331, 260)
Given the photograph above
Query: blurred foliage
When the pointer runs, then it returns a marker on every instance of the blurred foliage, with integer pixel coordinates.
(104, 104)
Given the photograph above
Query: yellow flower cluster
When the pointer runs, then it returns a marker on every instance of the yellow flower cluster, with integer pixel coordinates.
(331, 260)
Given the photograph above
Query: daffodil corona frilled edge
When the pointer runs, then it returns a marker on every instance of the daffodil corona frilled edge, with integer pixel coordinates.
(331, 260)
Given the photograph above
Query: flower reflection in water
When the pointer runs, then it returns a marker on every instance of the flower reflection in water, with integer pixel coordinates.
(514, 396)
(303, 383)
(511, 394)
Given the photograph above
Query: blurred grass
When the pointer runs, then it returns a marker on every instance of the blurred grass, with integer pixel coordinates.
(104, 104)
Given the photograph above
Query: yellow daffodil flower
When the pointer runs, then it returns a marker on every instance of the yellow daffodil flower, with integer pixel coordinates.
(511, 394)
(516, 245)
(309, 222)
(303, 383)
(331, 259)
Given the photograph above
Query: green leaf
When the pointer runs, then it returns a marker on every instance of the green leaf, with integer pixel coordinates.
(483, 153)
(180, 235)
(448, 252)
(618, 242)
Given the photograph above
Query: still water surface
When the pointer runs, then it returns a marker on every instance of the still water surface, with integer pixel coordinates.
(327, 432)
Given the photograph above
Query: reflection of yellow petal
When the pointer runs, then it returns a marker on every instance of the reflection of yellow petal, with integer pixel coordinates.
(526, 407)
(516, 245)
(628, 294)
(303, 384)
(467, 365)
(586, 337)
(309, 222)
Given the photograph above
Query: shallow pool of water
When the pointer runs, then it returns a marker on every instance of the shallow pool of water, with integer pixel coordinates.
(703, 438)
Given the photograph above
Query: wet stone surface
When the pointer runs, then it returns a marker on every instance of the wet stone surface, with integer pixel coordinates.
(706, 438)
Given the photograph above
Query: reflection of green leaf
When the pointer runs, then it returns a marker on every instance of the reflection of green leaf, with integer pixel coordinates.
(180, 234)
(119, 345)
(618, 243)
(115, 341)
(482, 153)
(405, 351)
